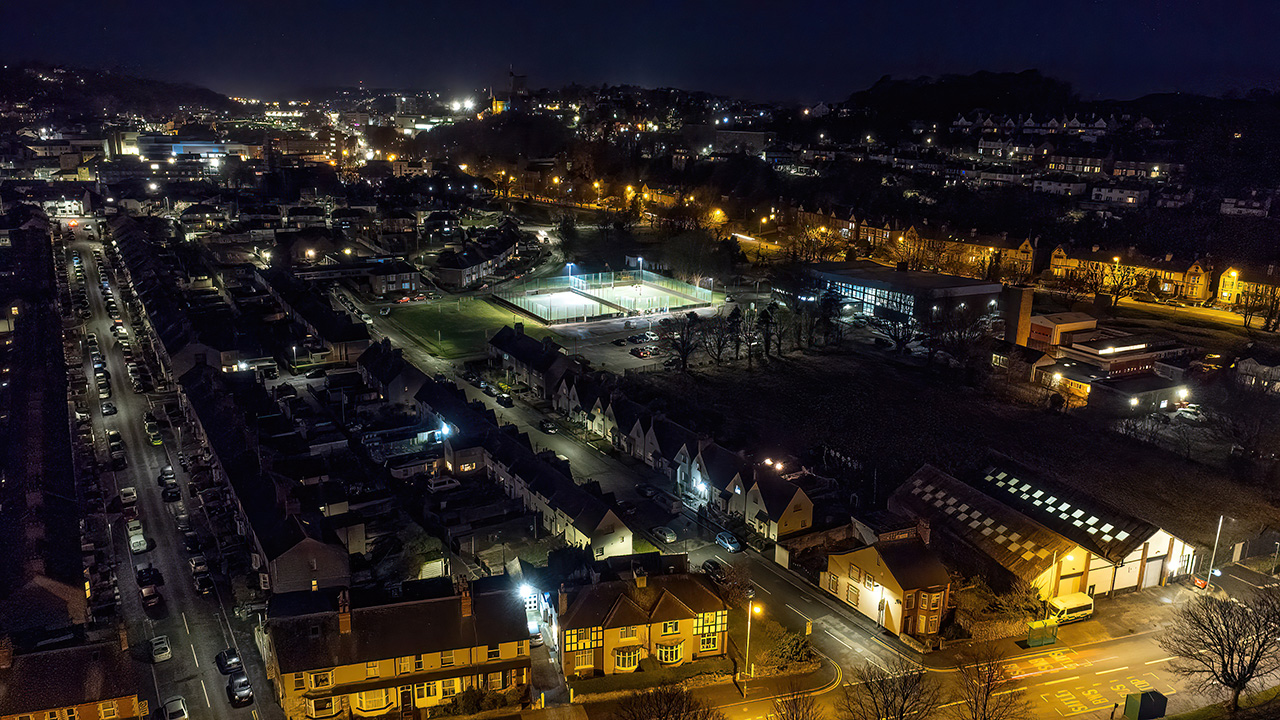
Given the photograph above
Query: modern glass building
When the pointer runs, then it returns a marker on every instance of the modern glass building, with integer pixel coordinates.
(896, 294)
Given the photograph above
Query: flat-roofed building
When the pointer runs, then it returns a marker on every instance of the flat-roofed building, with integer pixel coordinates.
(897, 295)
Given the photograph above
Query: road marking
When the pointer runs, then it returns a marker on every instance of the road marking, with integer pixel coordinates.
(184, 623)
(833, 637)
(194, 656)
(1002, 692)
(1153, 662)
(1055, 682)
(1112, 670)
(206, 694)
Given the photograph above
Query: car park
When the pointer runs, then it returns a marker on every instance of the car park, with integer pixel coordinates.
(228, 661)
(160, 648)
(728, 541)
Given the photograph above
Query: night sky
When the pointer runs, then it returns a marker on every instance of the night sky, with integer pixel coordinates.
(792, 50)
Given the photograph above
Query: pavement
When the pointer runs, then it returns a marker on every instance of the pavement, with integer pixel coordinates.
(198, 626)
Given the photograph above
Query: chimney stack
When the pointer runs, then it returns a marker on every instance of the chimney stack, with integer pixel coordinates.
(562, 605)
(466, 602)
(344, 613)
(519, 328)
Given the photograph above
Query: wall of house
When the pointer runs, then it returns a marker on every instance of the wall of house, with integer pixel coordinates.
(121, 708)
(853, 585)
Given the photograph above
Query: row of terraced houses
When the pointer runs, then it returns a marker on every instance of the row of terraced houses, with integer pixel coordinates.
(973, 254)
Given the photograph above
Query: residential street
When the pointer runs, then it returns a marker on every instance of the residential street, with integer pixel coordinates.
(196, 625)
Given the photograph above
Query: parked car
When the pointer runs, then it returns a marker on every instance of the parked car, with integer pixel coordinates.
(728, 541)
(1190, 414)
(171, 493)
(150, 596)
(228, 661)
(198, 564)
(239, 692)
(191, 542)
(147, 574)
(547, 427)
(664, 533)
(626, 507)
(714, 570)
(650, 335)
(203, 583)
(620, 342)
(160, 648)
(128, 496)
(1159, 417)
(175, 708)
(646, 490)
(504, 400)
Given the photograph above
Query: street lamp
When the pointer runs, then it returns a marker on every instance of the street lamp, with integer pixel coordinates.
(1208, 575)
(752, 609)
(295, 358)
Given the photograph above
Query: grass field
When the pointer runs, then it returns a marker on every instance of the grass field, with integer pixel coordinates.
(458, 328)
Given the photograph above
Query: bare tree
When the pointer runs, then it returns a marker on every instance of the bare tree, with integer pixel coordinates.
(669, 702)
(717, 336)
(797, 704)
(1222, 644)
(987, 691)
(899, 690)
(900, 332)
(1124, 280)
(814, 244)
(1245, 414)
(681, 338)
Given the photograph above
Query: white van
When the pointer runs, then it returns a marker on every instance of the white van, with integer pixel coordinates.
(1070, 608)
(442, 482)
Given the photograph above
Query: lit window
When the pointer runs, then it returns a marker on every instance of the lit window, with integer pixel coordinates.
(446, 658)
(670, 654)
(494, 652)
(628, 631)
(626, 658)
(671, 627)
(371, 669)
(321, 679)
(447, 688)
(709, 642)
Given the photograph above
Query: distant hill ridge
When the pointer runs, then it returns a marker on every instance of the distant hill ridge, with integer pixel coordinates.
(80, 90)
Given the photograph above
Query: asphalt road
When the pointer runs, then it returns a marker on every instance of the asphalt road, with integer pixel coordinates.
(196, 625)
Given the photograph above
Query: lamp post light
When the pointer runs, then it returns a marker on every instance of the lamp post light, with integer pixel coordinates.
(752, 609)
(1208, 575)
(295, 358)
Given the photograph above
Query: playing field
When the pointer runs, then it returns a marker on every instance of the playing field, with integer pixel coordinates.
(457, 328)
(640, 298)
(560, 306)
(602, 295)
